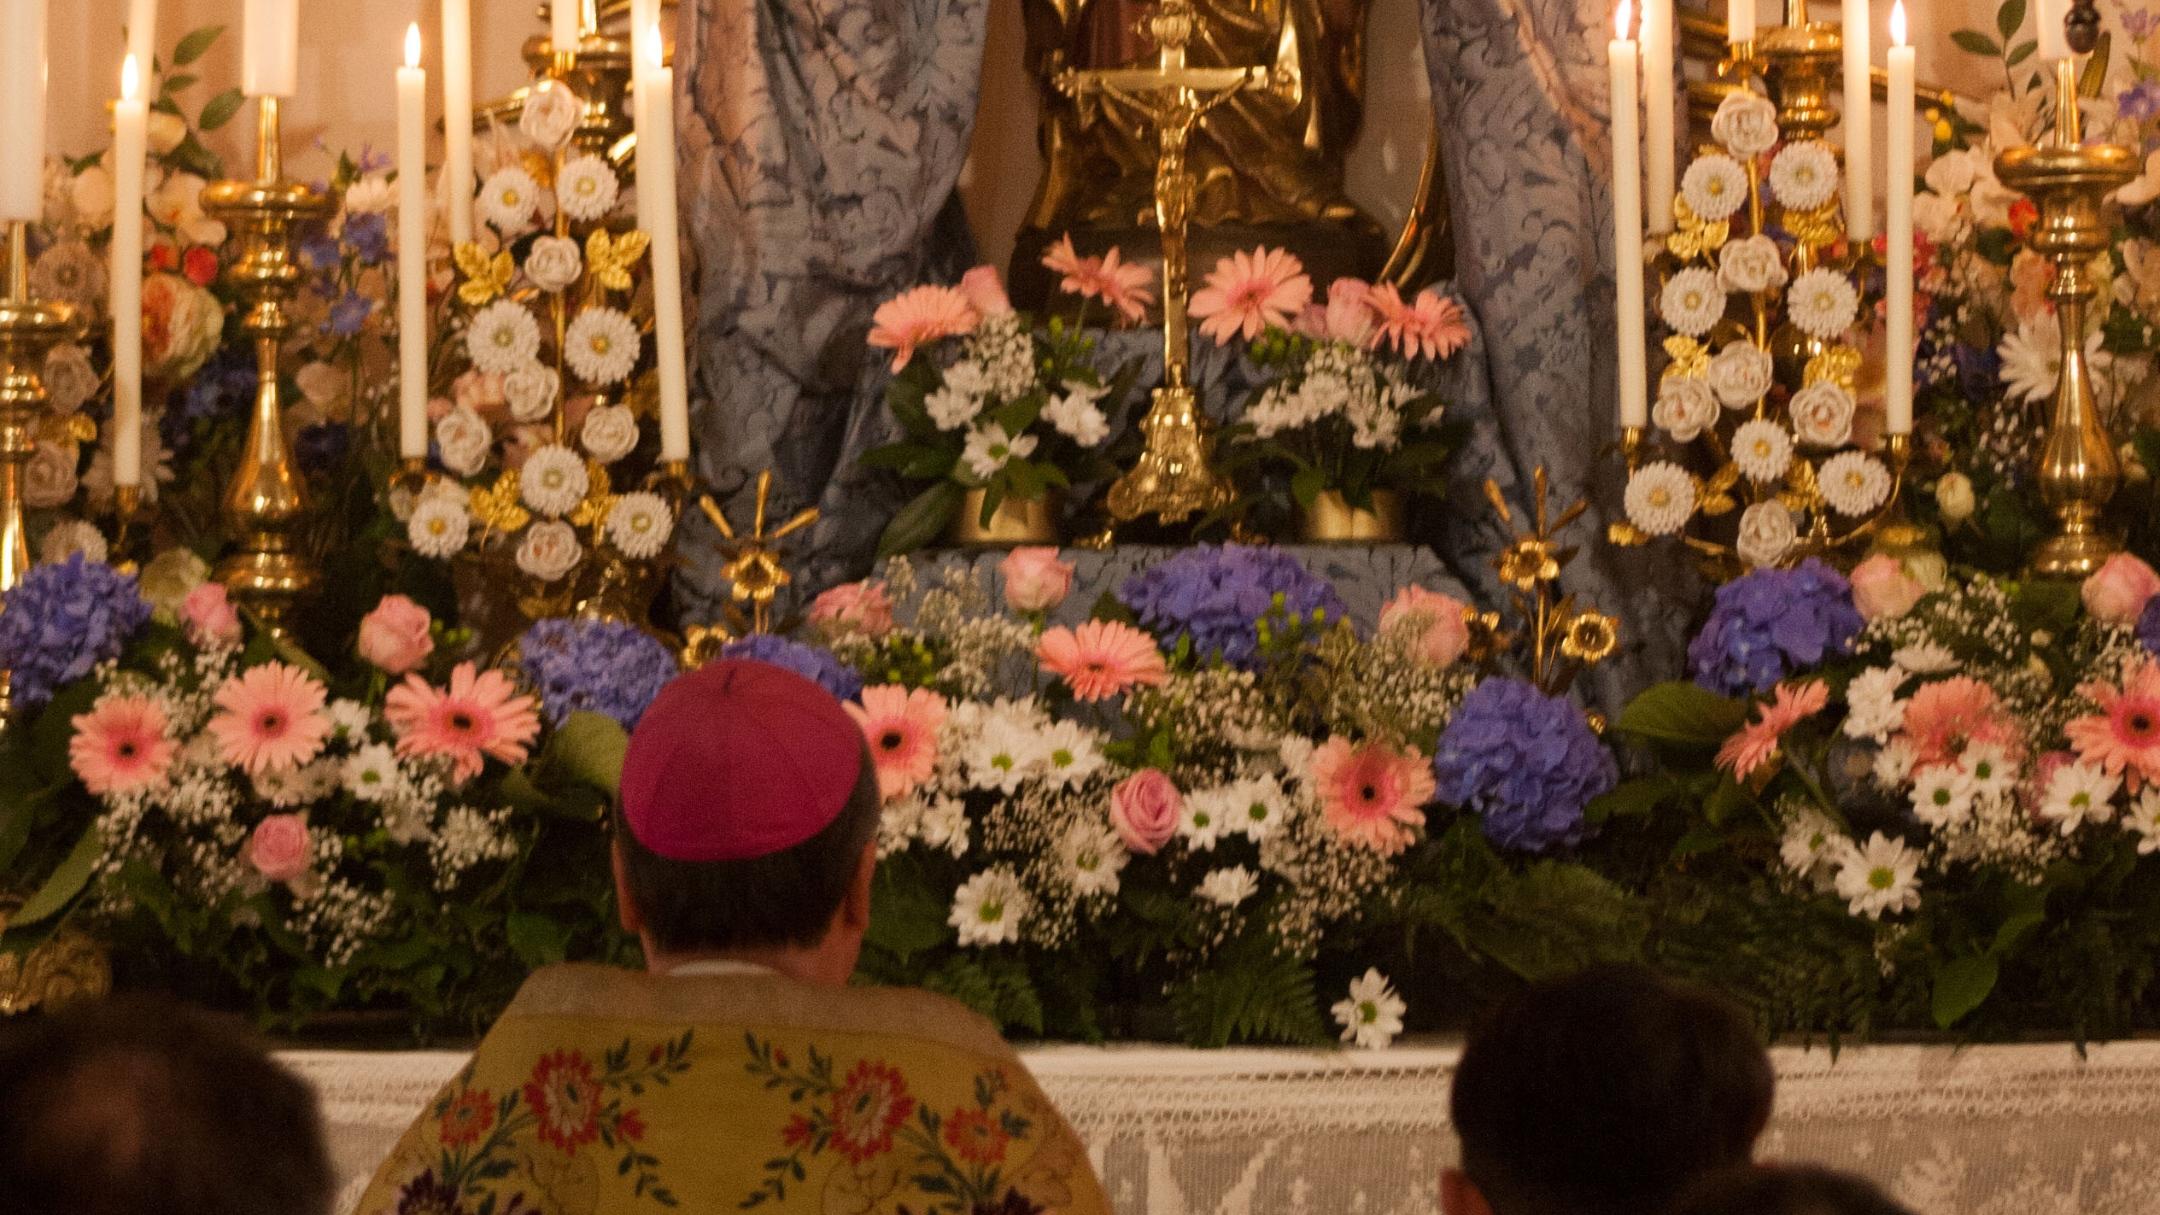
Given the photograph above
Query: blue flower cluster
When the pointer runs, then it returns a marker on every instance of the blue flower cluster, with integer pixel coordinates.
(1217, 595)
(807, 661)
(62, 620)
(2148, 625)
(1770, 623)
(594, 666)
(1527, 763)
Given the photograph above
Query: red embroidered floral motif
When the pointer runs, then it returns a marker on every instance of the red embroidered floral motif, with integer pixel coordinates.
(867, 1109)
(629, 1126)
(798, 1132)
(565, 1098)
(468, 1117)
(976, 1136)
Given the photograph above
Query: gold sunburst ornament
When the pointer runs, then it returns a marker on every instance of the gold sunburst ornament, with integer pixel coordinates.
(754, 568)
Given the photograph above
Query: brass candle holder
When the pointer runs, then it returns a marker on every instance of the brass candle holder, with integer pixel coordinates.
(2070, 184)
(266, 498)
(28, 328)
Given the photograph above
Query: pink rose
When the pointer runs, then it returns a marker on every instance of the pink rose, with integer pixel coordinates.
(1882, 590)
(856, 607)
(984, 293)
(279, 848)
(1442, 632)
(2117, 592)
(1145, 810)
(1035, 580)
(209, 617)
(395, 636)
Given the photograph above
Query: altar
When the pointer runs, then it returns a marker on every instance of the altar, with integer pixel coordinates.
(1995, 1130)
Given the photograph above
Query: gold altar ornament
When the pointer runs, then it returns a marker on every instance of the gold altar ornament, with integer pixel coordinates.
(2070, 182)
(1016, 521)
(1560, 637)
(754, 569)
(265, 499)
(28, 329)
(1332, 520)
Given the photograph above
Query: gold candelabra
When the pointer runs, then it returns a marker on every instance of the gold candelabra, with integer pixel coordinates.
(1174, 477)
(2070, 183)
(28, 329)
(266, 498)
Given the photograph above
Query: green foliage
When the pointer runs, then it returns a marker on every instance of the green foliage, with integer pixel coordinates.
(996, 985)
(1261, 995)
(1682, 714)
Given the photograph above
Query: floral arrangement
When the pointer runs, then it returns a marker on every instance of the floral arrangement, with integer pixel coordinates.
(1346, 402)
(1000, 402)
(1791, 456)
(236, 820)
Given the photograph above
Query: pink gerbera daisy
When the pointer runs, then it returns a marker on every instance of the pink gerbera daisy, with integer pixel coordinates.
(1429, 326)
(120, 744)
(1249, 293)
(1943, 717)
(1754, 744)
(1123, 286)
(917, 317)
(901, 727)
(2124, 736)
(478, 715)
(271, 718)
(1101, 658)
(1063, 260)
(1372, 794)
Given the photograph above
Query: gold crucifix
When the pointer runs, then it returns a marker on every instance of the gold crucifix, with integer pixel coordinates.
(1173, 478)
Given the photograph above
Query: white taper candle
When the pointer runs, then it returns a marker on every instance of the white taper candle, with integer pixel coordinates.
(131, 119)
(1898, 234)
(412, 251)
(1859, 124)
(656, 211)
(1628, 227)
(22, 110)
(1657, 70)
(457, 116)
(270, 49)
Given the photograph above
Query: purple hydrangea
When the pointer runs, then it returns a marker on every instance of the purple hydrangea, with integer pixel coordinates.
(2148, 625)
(807, 661)
(1770, 623)
(62, 620)
(595, 666)
(1217, 596)
(1527, 763)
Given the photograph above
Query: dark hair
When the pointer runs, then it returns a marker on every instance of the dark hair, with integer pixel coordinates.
(136, 1105)
(785, 899)
(1607, 1093)
(1784, 1190)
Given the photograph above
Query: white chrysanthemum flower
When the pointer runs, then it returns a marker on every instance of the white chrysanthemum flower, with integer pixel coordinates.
(1762, 450)
(1715, 186)
(1822, 303)
(69, 537)
(2079, 793)
(549, 550)
(2143, 820)
(1873, 708)
(1767, 534)
(1804, 175)
(602, 346)
(989, 907)
(990, 449)
(950, 408)
(1746, 123)
(944, 826)
(1893, 764)
(1880, 876)
(1989, 768)
(1692, 301)
(1740, 374)
(1373, 1014)
(639, 524)
(510, 200)
(1090, 855)
(1811, 844)
(1071, 754)
(1942, 796)
(553, 481)
(503, 337)
(1229, 887)
(1201, 820)
(610, 432)
(530, 392)
(1255, 806)
(1660, 498)
(586, 188)
(371, 773)
(439, 526)
(1822, 414)
(1924, 658)
(1854, 482)
(1077, 414)
(1685, 407)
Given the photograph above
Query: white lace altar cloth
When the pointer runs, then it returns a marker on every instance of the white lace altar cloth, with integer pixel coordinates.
(1998, 1130)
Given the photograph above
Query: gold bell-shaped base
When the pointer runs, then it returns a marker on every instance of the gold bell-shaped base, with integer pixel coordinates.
(1174, 478)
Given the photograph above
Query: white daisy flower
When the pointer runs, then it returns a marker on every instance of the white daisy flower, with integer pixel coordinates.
(553, 481)
(1989, 769)
(1660, 498)
(371, 773)
(1880, 876)
(502, 338)
(944, 826)
(1942, 796)
(1822, 414)
(1762, 450)
(1715, 186)
(1076, 414)
(549, 550)
(1924, 658)
(602, 346)
(2144, 821)
(1767, 533)
(439, 526)
(1893, 764)
(1201, 820)
(1254, 807)
(1740, 374)
(530, 392)
(950, 408)
(510, 200)
(1229, 887)
(1822, 303)
(1091, 855)
(2032, 357)
(2079, 793)
(639, 524)
(1071, 754)
(1804, 175)
(1685, 407)
(1692, 301)
(1811, 844)
(610, 432)
(1003, 753)
(586, 188)
(1373, 1014)
(990, 449)
(349, 720)
(1873, 708)
(989, 907)
(1853, 482)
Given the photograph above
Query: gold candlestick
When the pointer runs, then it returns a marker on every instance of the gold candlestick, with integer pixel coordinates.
(266, 498)
(2070, 184)
(28, 328)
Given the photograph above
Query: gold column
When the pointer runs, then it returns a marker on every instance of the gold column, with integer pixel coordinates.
(28, 328)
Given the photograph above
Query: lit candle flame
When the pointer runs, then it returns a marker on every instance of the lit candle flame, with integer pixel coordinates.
(130, 79)
(1897, 23)
(655, 48)
(1622, 21)
(412, 45)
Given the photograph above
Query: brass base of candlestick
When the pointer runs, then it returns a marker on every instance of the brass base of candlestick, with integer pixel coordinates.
(1174, 478)
(1801, 61)
(598, 70)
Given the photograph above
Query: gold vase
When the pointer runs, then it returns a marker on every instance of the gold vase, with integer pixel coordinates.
(1332, 520)
(1014, 523)
(68, 967)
